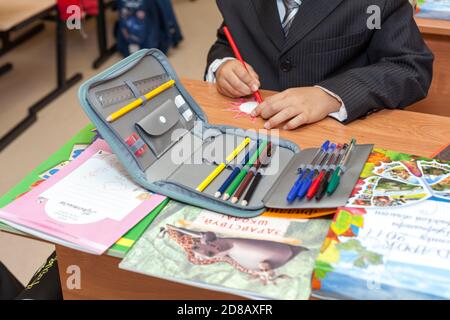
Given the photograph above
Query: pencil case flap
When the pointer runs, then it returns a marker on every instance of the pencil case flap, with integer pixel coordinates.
(160, 120)
(276, 197)
(162, 128)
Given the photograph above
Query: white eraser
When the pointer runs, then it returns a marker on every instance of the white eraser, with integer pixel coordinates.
(187, 115)
(179, 101)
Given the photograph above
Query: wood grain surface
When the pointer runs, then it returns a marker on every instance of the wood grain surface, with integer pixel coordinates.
(436, 34)
(433, 26)
(15, 12)
(399, 130)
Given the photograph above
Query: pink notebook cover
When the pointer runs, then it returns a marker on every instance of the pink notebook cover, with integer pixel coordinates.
(88, 205)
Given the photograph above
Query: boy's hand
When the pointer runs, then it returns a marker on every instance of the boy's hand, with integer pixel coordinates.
(296, 107)
(234, 81)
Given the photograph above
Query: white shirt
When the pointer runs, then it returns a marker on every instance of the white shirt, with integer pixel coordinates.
(340, 115)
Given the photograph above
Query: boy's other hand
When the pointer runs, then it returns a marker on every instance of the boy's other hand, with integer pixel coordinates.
(296, 107)
(234, 81)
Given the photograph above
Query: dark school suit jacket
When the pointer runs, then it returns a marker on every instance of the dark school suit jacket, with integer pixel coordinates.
(330, 45)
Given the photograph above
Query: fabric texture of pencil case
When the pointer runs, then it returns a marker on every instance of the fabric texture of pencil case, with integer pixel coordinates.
(172, 122)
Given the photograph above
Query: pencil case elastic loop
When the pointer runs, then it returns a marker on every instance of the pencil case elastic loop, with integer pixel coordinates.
(143, 98)
(134, 89)
(137, 145)
(233, 166)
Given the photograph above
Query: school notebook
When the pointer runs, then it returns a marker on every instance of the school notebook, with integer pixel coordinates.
(392, 240)
(88, 205)
(64, 155)
(262, 257)
(68, 152)
(126, 242)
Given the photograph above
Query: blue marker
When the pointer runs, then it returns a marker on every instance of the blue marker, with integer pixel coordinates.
(302, 171)
(312, 172)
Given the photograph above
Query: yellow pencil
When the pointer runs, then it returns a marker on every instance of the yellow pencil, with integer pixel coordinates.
(136, 103)
(202, 186)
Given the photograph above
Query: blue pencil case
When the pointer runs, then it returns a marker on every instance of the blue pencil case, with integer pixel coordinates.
(168, 146)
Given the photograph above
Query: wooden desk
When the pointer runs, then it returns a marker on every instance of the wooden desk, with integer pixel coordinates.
(14, 13)
(15, 16)
(434, 26)
(403, 131)
(436, 34)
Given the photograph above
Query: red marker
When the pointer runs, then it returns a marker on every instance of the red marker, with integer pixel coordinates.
(239, 57)
(328, 161)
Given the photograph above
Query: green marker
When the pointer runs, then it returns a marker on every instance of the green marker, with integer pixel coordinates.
(336, 177)
(237, 181)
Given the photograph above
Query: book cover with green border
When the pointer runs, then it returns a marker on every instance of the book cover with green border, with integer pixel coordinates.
(85, 136)
(121, 247)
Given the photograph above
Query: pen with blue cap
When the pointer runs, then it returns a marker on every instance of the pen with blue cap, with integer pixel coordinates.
(307, 181)
(303, 171)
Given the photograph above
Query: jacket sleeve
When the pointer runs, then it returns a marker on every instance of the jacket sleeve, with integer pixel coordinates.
(219, 50)
(400, 72)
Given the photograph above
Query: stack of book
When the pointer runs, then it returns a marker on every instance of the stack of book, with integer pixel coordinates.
(390, 242)
(55, 201)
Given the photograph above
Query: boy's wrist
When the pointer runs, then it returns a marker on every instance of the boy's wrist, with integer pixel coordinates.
(336, 110)
(214, 67)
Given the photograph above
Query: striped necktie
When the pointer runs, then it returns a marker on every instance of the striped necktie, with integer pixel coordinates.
(291, 10)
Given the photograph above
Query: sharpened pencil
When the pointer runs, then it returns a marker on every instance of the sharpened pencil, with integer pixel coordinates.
(237, 181)
(238, 56)
(236, 171)
(251, 190)
(251, 173)
(202, 186)
(139, 101)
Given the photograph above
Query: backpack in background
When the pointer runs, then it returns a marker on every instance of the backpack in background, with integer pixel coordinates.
(146, 24)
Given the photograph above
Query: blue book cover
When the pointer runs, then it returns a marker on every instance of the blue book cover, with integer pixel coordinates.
(434, 9)
(392, 241)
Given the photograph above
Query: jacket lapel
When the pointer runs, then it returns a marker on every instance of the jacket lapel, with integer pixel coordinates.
(309, 15)
(269, 18)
